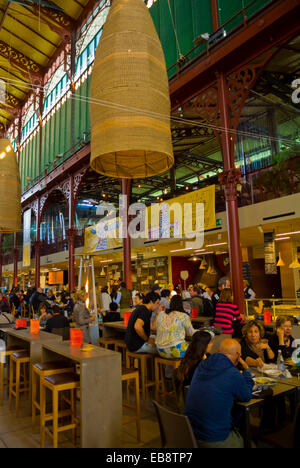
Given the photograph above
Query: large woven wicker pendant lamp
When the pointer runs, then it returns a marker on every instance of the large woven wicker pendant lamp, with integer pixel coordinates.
(10, 189)
(130, 102)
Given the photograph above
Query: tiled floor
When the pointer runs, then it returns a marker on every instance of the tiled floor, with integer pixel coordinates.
(17, 432)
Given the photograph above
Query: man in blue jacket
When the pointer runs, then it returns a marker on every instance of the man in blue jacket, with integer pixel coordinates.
(216, 384)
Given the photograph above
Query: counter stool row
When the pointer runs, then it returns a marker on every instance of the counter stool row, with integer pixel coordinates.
(144, 361)
(55, 376)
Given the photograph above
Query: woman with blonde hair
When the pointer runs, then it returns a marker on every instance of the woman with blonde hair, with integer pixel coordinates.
(282, 338)
(255, 351)
(81, 315)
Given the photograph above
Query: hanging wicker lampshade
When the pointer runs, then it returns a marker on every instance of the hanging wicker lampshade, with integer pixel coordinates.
(130, 102)
(10, 189)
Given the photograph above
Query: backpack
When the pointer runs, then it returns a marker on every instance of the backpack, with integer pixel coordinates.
(208, 308)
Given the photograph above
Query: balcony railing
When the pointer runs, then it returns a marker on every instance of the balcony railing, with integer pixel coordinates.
(265, 184)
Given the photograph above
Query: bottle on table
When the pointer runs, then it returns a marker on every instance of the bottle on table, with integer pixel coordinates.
(280, 361)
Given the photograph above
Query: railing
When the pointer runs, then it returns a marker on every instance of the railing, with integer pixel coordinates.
(60, 245)
(62, 158)
(265, 184)
(186, 60)
(288, 307)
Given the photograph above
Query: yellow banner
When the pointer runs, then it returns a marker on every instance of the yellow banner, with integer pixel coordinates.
(95, 241)
(26, 254)
(182, 215)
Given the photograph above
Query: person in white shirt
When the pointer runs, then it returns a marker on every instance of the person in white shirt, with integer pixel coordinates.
(171, 289)
(106, 299)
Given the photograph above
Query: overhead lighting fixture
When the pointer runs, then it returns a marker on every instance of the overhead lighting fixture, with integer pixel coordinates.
(284, 233)
(280, 261)
(213, 245)
(193, 259)
(282, 238)
(260, 228)
(180, 250)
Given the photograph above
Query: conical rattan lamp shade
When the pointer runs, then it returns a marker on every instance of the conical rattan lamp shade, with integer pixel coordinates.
(130, 102)
(10, 189)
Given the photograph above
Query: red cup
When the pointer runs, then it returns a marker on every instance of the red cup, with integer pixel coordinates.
(194, 312)
(76, 337)
(21, 323)
(267, 317)
(34, 327)
(126, 318)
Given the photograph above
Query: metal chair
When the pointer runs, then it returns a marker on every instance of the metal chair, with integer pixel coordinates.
(175, 429)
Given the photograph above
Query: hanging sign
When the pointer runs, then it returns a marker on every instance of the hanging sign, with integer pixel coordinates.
(26, 238)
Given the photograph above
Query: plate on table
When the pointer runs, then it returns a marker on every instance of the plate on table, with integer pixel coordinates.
(264, 382)
(273, 372)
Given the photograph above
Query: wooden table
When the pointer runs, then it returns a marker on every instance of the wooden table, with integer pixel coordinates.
(100, 392)
(279, 390)
(116, 329)
(202, 320)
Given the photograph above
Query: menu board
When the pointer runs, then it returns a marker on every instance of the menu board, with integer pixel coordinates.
(270, 254)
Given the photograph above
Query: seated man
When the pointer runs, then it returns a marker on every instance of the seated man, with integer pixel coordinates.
(215, 385)
(112, 315)
(58, 324)
(137, 336)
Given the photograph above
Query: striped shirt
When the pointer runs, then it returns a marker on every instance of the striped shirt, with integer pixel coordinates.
(225, 315)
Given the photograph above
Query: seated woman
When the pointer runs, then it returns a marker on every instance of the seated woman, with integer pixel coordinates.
(172, 326)
(44, 314)
(198, 350)
(255, 351)
(282, 338)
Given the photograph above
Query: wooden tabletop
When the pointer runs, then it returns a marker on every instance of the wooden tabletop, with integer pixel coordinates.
(118, 325)
(77, 354)
(27, 336)
(279, 388)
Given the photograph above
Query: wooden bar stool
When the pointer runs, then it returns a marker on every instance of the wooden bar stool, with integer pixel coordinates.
(132, 375)
(3, 355)
(160, 363)
(143, 359)
(41, 370)
(107, 342)
(18, 386)
(58, 383)
(120, 347)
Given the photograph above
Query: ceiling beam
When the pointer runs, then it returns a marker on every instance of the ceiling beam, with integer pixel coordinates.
(23, 63)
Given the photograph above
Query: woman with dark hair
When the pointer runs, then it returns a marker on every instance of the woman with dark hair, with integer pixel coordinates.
(172, 326)
(197, 351)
